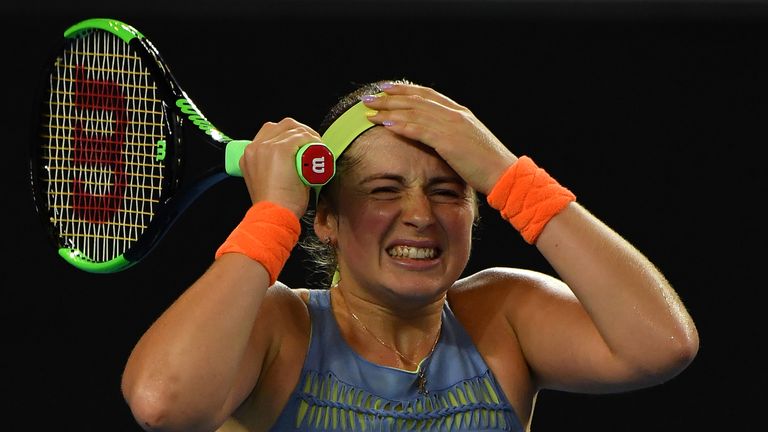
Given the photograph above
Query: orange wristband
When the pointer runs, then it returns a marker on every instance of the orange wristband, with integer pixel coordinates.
(266, 234)
(528, 197)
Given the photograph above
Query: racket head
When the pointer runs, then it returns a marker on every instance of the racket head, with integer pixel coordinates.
(104, 157)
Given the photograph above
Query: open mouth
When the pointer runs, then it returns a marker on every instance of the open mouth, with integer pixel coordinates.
(412, 252)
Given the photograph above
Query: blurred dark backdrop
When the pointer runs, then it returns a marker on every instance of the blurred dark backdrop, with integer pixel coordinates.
(652, 112)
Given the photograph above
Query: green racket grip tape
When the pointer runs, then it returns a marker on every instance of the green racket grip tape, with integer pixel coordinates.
(315, 163)
(232, 154)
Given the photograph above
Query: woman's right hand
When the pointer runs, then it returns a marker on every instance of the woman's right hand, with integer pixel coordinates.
(461, 139)
(269, 168)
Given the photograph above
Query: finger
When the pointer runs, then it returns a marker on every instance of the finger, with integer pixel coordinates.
(271, 130)
(425, 93)
(279, 150)
(414, 117)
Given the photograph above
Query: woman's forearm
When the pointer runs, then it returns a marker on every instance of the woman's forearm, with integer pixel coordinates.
(631, 303)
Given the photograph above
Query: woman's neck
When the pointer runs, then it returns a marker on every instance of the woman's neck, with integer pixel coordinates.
(397, 337)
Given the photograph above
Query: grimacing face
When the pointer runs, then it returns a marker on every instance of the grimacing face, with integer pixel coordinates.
(403, 219)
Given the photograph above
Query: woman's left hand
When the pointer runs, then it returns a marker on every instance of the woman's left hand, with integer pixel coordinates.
(464, 142)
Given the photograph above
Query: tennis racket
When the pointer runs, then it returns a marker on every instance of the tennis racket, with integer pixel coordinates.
(109, 162)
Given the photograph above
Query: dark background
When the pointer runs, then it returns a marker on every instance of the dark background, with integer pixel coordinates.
(653, 113)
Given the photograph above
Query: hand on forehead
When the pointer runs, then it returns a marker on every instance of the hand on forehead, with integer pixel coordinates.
(379, 151)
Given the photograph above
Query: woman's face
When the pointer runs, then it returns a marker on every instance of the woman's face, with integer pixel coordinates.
(404, 222)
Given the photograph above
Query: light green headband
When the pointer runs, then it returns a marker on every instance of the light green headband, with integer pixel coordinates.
(340, 134)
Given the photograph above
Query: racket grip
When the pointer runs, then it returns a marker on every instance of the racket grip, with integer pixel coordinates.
(315, 163)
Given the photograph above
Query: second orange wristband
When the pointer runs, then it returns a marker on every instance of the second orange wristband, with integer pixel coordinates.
(528, 197)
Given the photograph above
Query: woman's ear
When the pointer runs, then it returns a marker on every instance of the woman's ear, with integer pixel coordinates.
(325, 221)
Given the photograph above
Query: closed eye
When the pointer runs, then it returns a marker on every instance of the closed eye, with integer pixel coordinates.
(447, 192)
(385, 189)
(385, 192)
(447, 196)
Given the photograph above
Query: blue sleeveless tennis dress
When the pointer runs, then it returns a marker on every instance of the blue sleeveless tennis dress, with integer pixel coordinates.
(341, 391)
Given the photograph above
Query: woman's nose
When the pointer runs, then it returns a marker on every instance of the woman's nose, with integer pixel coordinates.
(417, 210)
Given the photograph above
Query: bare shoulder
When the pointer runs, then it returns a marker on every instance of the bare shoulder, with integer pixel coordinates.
(283, 292)
(505, 278)
(284, 303)
(498, 286)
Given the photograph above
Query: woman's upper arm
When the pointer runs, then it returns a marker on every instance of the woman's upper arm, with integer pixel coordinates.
(558, 339)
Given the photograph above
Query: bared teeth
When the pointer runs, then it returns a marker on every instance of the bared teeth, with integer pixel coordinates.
(412, 252)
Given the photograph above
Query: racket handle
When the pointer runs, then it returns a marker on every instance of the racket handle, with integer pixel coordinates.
(315, 163)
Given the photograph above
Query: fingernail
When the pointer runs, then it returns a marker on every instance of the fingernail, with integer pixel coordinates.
(369, 98)
(371, 113)
(386, 85)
